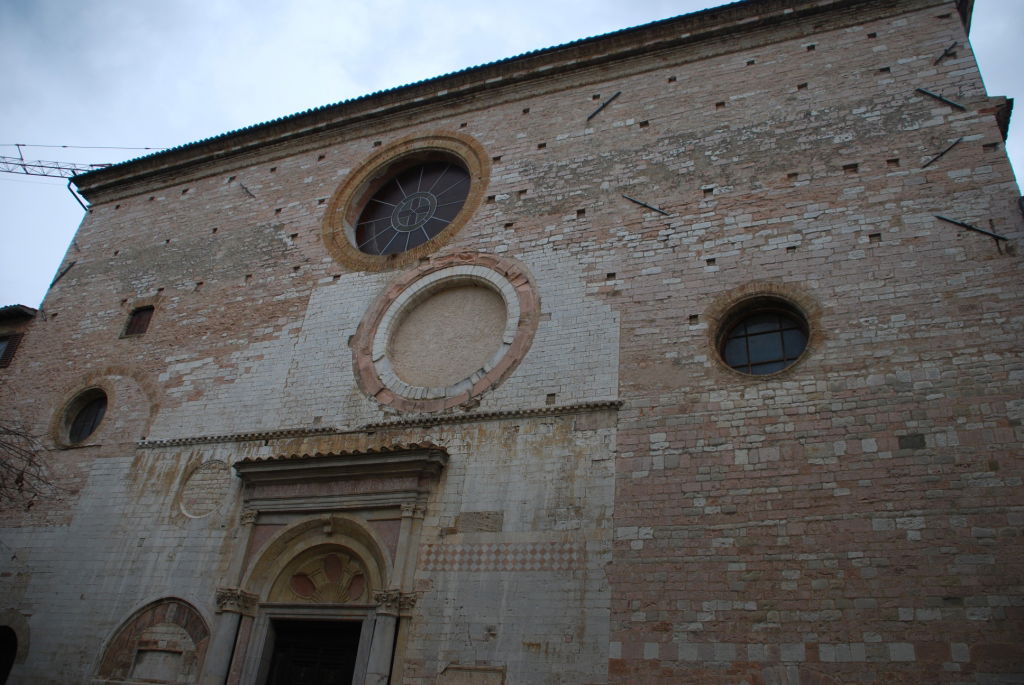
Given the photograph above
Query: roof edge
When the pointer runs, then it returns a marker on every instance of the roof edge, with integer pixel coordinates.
(13, 312)
(744, 15)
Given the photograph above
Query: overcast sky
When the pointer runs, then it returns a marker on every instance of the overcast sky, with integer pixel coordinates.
(152, 73)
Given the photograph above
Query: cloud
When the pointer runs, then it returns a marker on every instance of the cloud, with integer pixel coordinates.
(111, 72)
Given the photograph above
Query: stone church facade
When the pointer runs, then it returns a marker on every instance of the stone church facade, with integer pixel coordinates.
(684, 354)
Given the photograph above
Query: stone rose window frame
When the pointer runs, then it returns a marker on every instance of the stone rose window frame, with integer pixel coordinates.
(374, 372)
(350, 199)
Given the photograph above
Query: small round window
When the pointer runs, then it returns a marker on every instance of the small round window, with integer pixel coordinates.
(85, 414)
(763, 337)
(411, 207)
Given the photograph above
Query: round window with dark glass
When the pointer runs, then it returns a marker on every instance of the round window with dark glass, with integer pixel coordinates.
(412, 206)
(85, 415)
(764, 338)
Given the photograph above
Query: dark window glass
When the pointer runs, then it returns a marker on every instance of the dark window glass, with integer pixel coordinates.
(412, 207)
(770, 367)
(735, 351)
(764, 347)
(761, 323)
(794, 341)
(765, 341)
(88, 418)
(138, 321)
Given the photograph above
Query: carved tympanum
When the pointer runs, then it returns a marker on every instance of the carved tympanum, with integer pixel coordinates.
(332, 576)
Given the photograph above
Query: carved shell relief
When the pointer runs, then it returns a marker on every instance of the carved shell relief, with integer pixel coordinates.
(332, 577)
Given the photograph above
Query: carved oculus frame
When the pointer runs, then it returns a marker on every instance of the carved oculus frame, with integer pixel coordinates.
(505, 276)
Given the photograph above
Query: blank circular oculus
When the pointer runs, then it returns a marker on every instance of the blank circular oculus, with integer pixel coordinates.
(411, 207)
(447, 336)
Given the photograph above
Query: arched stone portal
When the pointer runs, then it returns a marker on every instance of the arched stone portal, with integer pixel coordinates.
(325, 580)
(317, 619)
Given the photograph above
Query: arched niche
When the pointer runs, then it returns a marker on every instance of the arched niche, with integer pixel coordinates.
(163, 642)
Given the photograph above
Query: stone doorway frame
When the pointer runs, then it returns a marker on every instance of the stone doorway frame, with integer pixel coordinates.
(327, 499)
(257, 662)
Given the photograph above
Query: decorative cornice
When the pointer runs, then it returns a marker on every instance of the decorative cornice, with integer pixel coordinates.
(419, 460)
(415, 421)
(284, 433)
(471, 417)
(397, 448)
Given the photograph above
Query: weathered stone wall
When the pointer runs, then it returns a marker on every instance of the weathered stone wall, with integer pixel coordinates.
(854, 518)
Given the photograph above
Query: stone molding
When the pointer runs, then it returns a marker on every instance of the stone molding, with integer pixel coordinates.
(470, 417)
(335, 481)
(283, 433)
(313, 431)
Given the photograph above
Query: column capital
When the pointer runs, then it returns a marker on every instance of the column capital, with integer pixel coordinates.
(236, 601)
(395, 602)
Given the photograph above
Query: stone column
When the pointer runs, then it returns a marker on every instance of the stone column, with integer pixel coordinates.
(378, 667)
(412, 523)
(406, 603)
(405, 534)
(391, 604)
(232, 604)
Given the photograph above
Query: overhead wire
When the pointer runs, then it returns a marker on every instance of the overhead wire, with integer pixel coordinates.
(43, 180)
(81, 147)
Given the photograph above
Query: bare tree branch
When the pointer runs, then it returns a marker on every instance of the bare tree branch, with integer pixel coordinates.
(23, 478)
